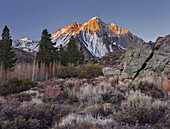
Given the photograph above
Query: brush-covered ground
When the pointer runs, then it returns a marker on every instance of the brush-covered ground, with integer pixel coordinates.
(72, 103)
(82, 98)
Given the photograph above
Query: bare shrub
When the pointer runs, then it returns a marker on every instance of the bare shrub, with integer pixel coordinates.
(137, 99)
(31, 71)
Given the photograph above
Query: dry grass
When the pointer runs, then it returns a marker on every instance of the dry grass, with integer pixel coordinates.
(72, 82)
(78, 119)
(30, 71)
(88, 93)
(137, 99)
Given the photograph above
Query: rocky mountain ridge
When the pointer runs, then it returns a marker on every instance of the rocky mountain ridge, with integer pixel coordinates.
(96, 37)
(26, 44)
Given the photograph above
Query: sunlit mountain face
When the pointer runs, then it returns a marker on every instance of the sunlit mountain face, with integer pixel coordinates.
(96, 37)
(92, 26)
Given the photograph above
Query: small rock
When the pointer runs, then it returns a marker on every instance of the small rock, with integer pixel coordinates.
(107, 71)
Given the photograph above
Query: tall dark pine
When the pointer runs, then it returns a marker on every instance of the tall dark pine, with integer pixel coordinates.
(63, 56)
(81, 56)
(1, 52)
(7, 56)
(73, 53)
(47, 52)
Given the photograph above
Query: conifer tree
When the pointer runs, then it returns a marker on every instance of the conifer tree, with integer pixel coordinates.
(81, 56)
(7, 56)
(1, 53)
(47, 52)
(63, 56)
(73, 53)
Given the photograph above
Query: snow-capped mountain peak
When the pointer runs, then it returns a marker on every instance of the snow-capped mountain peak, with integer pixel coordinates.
(96, 37)
(67, 30)
(94, 18)
(26, 44)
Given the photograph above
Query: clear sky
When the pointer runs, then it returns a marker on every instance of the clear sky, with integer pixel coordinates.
(147, 19)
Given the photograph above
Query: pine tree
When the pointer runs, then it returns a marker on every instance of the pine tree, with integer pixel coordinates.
(63, 56)
(1, 52)
(73, 53)
(81, 56)
(7, 56)
(47, 52)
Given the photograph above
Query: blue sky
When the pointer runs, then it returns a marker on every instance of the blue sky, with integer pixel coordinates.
(147, 19)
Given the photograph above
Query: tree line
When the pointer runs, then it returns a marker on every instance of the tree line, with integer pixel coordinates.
(47, 54)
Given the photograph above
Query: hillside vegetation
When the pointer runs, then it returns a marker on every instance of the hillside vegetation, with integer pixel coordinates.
(135, 96)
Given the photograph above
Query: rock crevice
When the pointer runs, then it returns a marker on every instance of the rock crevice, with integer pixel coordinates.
(149, 62)
(144, 64)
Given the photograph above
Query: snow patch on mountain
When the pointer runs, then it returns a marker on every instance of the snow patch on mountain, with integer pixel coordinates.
(94, 44)
(121, 48)
(26, 44)
(97, 37)
(61, 40)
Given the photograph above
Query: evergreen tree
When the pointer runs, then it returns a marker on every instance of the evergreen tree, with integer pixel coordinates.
(47, 52)
(73, 53)
(1, 52)
(63, 56)
(7, 56)
(81, 56)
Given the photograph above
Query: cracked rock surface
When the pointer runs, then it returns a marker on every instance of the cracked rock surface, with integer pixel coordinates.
(149, 62)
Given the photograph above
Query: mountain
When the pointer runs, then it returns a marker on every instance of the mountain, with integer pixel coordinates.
(26, 44)
(96, 37)
(23, 56)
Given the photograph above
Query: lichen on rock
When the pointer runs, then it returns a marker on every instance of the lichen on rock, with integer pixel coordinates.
(143, 61)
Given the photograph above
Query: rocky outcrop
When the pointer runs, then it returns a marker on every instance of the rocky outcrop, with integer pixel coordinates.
(149, 61)
(112, 59)
(135, 59)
